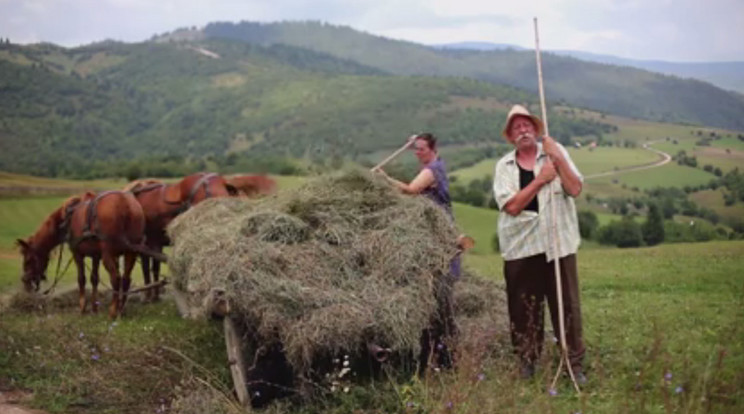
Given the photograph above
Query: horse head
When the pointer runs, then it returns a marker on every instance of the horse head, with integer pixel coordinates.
(196, 188)
(253, 185)
(35, 262)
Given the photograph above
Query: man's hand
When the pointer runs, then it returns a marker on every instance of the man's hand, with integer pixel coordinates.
(547, 173)
(551, 148)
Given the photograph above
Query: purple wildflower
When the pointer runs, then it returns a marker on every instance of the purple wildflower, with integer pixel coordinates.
(449, 405)
(410, 404)
(481, 376)
(440, 346)
(668, 376)
(679, 389)
(553, 392)
(81, 335)
(95, 357)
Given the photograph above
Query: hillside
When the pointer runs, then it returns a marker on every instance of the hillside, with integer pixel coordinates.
(725, 75)
(614, 89)
(77, 111)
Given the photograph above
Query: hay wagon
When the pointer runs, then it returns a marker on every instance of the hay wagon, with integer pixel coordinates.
(219, 307)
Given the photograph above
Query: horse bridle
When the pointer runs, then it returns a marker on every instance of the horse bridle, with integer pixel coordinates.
(202, 182)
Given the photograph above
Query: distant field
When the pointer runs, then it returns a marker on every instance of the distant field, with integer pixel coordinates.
(10, 183)
(713, 199)
(669, 175)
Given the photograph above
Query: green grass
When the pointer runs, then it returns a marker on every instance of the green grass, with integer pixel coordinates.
(676, 309)
(669, 175)
(713, 199)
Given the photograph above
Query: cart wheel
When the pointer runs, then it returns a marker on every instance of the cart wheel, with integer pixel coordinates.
(235, 359)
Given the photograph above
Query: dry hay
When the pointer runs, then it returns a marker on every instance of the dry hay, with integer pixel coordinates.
(342, 261)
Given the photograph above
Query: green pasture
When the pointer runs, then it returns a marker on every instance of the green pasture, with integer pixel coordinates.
(713, 199)
(664, 327)
(668, 175)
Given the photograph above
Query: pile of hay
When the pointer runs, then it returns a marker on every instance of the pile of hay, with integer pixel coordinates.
(342, 261)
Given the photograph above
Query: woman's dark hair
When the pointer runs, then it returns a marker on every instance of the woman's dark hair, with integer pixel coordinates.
(430, 139)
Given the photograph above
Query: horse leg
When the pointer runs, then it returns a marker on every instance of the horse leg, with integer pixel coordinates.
(129, 260)
(156, 273)
(146, 274)
(80, 264)
(94, 282)
(111, 264)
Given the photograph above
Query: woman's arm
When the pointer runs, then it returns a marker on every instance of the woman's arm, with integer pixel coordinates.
(423, 180)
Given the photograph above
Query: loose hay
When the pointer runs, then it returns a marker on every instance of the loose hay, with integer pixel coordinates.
(342, 261)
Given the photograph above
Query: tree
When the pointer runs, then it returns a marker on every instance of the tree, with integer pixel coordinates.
(623, 233)
(588, 224)
(653, 228)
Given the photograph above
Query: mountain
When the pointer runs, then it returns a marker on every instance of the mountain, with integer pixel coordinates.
(725, 75)
(624, 91)
(80, 111)
(484, 46)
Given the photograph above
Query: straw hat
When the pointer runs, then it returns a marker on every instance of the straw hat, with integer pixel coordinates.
(519, 110)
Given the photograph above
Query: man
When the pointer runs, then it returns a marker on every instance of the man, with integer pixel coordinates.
(523, 180)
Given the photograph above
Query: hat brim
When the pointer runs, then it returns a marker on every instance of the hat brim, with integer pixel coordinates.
(539, 127)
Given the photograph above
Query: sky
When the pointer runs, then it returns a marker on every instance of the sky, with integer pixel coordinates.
(671, 30)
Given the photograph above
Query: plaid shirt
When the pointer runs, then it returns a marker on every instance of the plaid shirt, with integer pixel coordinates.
(527, 234)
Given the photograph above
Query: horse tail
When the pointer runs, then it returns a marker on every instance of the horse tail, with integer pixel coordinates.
(142, 249)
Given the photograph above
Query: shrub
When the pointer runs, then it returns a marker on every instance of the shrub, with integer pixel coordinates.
(623, 233)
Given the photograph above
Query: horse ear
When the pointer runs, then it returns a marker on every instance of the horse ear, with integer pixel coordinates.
(23, 244)
(173, 193)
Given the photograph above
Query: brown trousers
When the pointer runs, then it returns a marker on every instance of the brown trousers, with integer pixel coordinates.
(528, 282)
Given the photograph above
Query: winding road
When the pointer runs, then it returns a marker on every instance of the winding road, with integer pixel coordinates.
(665, 158)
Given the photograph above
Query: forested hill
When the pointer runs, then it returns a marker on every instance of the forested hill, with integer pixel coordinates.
(619, 90)
(78, 111)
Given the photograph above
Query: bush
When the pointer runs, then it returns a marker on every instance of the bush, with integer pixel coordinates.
(588, 224)
(623, 233)
(653, 228)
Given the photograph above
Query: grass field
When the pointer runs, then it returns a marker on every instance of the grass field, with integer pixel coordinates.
(601, 159)
(664, 327)
(669, 175)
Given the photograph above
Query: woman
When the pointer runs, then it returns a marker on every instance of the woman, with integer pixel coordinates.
(432, 182)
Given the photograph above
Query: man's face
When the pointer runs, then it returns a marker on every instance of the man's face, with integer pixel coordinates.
(522, 132)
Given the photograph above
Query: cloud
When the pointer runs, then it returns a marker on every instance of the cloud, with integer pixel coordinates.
(692, 30)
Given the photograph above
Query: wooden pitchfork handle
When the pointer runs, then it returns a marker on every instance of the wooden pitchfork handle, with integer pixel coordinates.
(392, 156)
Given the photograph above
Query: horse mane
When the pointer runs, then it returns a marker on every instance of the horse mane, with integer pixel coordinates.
(139, 185)
(47, 233)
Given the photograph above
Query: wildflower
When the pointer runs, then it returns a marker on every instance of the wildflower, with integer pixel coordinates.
(410, 404)
(679, 389)
(256, 394)
(81, 335)
(668, 376)
(346, 389)
(481, 376)
(449, 405)
(95, 357)
(346, 363)
(553, 392)
(440, 346)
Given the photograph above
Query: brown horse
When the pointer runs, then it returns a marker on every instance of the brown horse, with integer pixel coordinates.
(162, 202)
(253, 185)
(103, 227)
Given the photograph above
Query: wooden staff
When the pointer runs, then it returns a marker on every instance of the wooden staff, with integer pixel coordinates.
(392, 156)
(554, 233)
